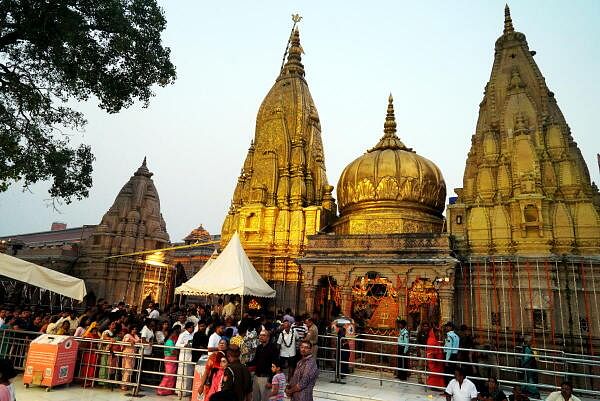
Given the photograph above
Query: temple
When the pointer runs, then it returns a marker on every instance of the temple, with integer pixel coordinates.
(282, 195)
(385, 256)
(526, 223)
(133, 224)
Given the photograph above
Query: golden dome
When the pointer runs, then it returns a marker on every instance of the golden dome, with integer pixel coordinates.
(390, 189)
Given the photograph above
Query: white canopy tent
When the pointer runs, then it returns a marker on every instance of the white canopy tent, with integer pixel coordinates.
(230, 273)
(30, 273)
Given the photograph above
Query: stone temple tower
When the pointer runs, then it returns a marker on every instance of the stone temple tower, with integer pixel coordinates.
(526, 187)
(282, 194)
(525, 226)
(132, 224)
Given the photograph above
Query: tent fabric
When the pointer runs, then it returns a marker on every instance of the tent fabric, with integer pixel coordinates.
(230, 273)
(30, 273)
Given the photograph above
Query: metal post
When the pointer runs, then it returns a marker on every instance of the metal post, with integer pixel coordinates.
(136, 389)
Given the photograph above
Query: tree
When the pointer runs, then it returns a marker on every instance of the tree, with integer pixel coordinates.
(56, 51)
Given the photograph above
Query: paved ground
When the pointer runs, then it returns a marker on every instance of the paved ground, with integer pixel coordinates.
(355, 389)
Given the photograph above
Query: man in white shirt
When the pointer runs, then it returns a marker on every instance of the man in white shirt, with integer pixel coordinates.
(565, 393)
(460, 388)
(185, 355)
(213, 340)
(287, 346)
(154, 313)
(2, 317)
(147, 337)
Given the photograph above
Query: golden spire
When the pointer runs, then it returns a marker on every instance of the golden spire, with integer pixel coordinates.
(294, 51)
(508, 25)
(389, 140)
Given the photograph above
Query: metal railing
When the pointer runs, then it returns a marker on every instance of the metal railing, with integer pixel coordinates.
(118, 364)
(373, 357)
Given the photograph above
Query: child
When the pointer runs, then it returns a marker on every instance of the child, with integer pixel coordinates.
(278, 383)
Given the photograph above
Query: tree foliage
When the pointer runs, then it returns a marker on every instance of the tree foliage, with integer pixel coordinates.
(56, 51)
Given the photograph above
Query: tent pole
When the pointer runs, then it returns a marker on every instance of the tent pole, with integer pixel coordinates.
(242, 308)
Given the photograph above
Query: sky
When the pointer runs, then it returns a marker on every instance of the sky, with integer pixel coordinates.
(435, 57)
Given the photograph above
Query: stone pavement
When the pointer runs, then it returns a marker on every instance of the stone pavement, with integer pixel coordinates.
(355, 389)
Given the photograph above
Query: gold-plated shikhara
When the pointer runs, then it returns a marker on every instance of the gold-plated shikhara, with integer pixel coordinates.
(526, 187)
(282, 194)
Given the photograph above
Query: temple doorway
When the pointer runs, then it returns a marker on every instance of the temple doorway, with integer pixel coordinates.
(423, 304)
(328, 300)
(375, 304)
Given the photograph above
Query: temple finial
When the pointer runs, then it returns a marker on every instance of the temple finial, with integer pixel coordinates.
(143, 170)
(293, 51)
(389, 127)
(144, 162)
(508, 25)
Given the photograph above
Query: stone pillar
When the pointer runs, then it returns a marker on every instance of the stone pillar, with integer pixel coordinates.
(346, 293)
(446, 304)
(309, 297)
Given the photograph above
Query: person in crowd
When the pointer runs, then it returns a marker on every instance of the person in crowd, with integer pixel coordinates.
(529, 361)
(153, 314)
(213, 362)
(181, 320)
(161, 335)
(403, 341)
(84, 323)
(167, 383)
(488, 364)
(108, 359)
(492, 391)
(3, 314)
(312, 335)
(344, 352)
(147, 338)
(266, 353)
(7, 373)
(467, 343)
(460, 388)
(185, 368)
(241, 385)
(287, 346)
(52, 326)
(564, 394)
(127, 361)
(517, 394)
(301, 384)
(89, 356)
(229, 309)
(278, 382)
(213, 340)
(251, 341)
(451, 346)
(435, 356)
(422, 335)
(299, 329)
(218, 308)
(199, 341)
(215, 377)
(45, 323)
(64, 328)
(229, 325)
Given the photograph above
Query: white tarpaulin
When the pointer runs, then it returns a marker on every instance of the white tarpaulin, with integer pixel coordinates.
(230, 273)
(30, 273)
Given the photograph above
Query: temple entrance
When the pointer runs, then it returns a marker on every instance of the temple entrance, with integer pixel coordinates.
(423, 303)
(375, 304)
(328, 301)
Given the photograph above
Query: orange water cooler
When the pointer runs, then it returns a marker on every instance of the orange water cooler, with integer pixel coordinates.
(50, 361)
(198, 372)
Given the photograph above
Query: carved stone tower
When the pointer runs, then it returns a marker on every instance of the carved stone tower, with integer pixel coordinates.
(132, 224)
(526, 188)
(282, 194)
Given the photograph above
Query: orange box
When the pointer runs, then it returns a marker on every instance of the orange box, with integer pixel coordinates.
(198, 372)
(50, 360)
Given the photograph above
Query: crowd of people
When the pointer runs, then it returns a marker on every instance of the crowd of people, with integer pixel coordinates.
(258, 358)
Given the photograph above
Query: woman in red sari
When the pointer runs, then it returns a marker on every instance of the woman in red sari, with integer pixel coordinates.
(434, 367)
(89, 356)
(212, 365)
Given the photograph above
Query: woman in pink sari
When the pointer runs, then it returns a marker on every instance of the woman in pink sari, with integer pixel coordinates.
(434, 366)
(128, 351)
(170, 351)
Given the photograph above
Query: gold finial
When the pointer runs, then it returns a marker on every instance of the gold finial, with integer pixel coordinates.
(508, 25)
(389, 127)
(293, 51)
